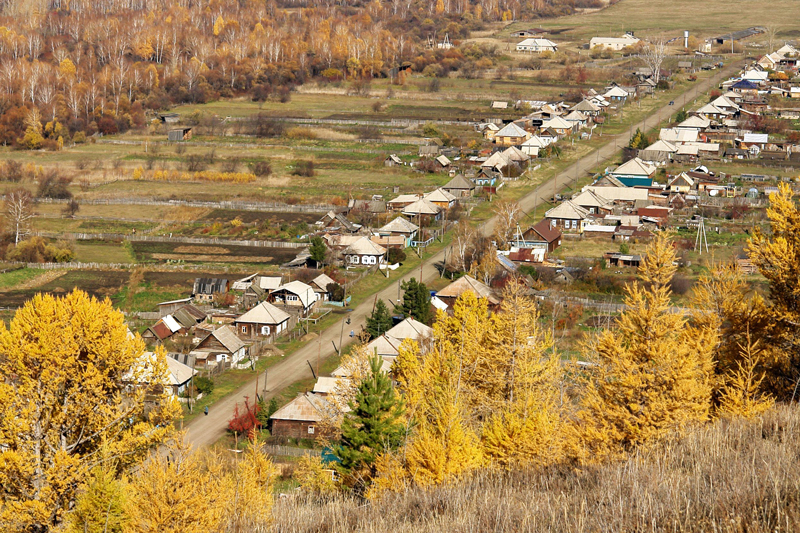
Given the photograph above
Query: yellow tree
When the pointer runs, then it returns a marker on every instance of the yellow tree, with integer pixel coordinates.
(778, 259)
(523, 378)
(724, 303)
(650, 376)
(66, 391)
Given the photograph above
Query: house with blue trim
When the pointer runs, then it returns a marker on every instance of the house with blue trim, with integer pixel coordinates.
(634, 173)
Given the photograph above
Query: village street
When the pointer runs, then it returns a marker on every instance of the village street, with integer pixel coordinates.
(205, 430)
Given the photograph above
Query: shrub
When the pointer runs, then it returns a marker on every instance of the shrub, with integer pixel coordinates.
(304, 169)
(13, 171)
(395, 255)
(204, 385)
(51, 185)
(261, 168)
(336, 292)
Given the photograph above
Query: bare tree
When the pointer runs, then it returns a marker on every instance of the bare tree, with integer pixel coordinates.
(19, 212)
(653, 55)
(771, 33)
(508, 214)
(463, 241)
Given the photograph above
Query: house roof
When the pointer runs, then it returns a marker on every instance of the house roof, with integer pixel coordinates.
(264, 313)
(496, 160)
(442, 160)
(364, 246)
(301, 290)
(711, 109)
(269, 283)
(635, 167)
(308, 407)
(585, 106)
(227, 338)
(511, 130)
(209, 285)
(567, 210)
(662, 146)
(322, 281)
(405, 199)
(724, 101)
(681, 179)
(744, 84)
(590, 199)
(546, 43)
(546, 231)
(179, 372)
(468, 283)
(512, 153)
(171, 323)
(695, 122)
(422, 207)
(616, 92)
(325, 385)
(172, 302)
(384, 346)
(409, 329)
(188, 316)
(756, 138)
(678, 135)
(160, 330)
(536, 141)
(576, 116)
(400, 225)
(339, 218)
(557, 123)
(439, 195)
(459, 182)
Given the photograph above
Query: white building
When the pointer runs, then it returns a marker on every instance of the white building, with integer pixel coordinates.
(537, 45)
(613, 43)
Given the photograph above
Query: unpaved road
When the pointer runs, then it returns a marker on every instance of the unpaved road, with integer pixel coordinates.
(206, 430)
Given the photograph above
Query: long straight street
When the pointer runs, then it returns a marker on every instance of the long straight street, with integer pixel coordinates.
(206, 430)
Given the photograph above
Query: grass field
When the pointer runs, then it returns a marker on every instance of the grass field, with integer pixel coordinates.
(102, 252)
(202, 253)
(646, 17)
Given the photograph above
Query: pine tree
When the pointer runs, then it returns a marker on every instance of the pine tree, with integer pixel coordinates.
(650, 376)
(317, 250)
(416, 301)
(380, 322)
(372, 426)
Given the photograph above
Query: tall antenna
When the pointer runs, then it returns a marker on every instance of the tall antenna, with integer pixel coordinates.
(701, 236)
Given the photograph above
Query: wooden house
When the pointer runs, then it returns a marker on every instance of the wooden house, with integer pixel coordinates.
(204, 289)
(264, 321)
(300, 418)
(221, 345)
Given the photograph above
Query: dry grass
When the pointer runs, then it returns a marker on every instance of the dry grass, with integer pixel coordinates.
(729, 476)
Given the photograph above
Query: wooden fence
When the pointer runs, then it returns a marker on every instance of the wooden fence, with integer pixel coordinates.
(177, 240)
(290, 451)
(232, 205)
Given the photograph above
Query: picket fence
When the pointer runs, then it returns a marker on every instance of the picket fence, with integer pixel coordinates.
(231, 205)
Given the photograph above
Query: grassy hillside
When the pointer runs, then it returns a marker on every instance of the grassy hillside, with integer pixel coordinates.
(728, 476)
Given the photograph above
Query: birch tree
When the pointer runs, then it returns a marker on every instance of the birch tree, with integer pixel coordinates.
(653, 55)
(19, 212)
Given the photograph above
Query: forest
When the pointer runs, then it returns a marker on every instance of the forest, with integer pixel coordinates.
(71, 69)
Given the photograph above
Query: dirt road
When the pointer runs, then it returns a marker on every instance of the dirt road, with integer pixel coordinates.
(206, 430)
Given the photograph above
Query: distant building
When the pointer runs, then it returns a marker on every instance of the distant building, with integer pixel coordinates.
(614, 43)
(537, 46)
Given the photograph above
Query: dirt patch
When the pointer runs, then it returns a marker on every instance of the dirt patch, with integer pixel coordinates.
(199, 258)
(200, 250)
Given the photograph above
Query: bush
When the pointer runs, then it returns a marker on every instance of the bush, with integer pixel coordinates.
(36, 250)
(304, 169)
(261, 168)
(13, 171)
(336, 292)
(204, 385)
(51, 185)
(395, 255)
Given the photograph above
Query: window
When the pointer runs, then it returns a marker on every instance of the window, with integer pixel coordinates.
(291, 298)
(265, 330)
(310, 430)
(354, 259)
(244, 329)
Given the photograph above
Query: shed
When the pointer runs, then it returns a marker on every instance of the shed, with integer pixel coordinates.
(300, 418)
(182, 134)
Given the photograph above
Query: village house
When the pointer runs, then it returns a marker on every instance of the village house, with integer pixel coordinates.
(634, 172)
(260, 288)
(423, 209)
(300, 418)
(400, 227)
(264, 321)
(450, 294)
(364, 252)
(167, 308)
(567, 216)
(511, 135)
(175, 380)
(402, 201)
(613, 43)
(295, 296)
(460, 187)
(544, 232)
(337, 223)
(616, 94)
(441, 198)
(166, 327)
(205, 289)
(220, 346)
(681, 183)
(534, 145)
(320, 286)
(592, 202)
(587, 108)
(392, 161)
(534, 45)
(560, 125)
